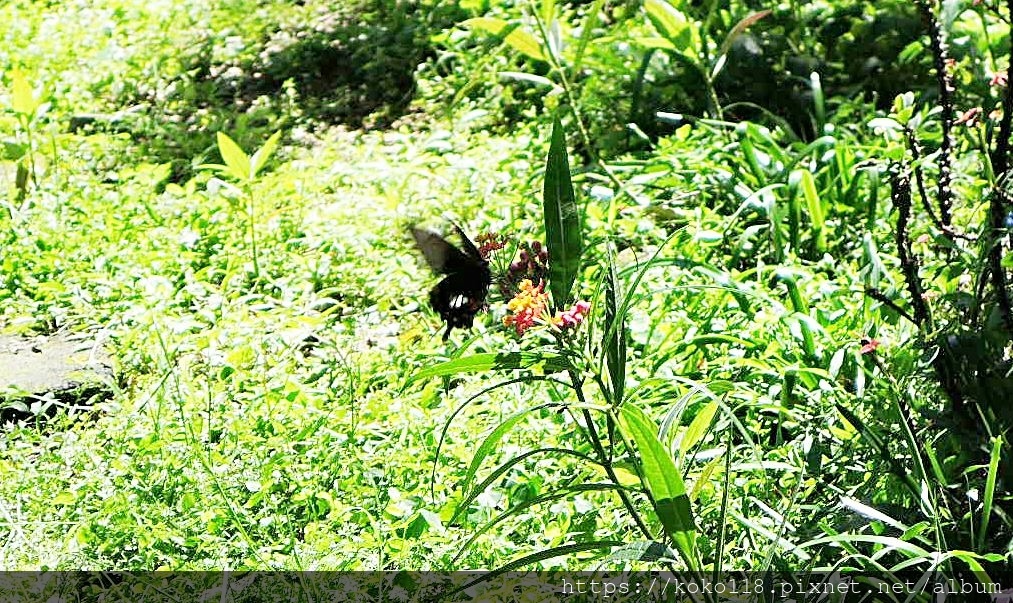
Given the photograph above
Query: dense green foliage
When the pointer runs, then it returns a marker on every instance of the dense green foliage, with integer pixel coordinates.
(788, 221)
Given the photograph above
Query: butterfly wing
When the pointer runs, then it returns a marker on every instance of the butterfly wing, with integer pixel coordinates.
(469, 247)
(442, 257)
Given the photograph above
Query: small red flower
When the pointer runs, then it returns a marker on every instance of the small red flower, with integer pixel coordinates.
(869, 345)
(488, 242)
(999, 78)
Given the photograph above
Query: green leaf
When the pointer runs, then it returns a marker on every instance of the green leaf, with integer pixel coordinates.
(586, 31)
(614, 342)
(663, 480)
(548, 11)
(696, 430)
(643, 550)
(492, 361)
(531, 78)
(12, 151)
(522, 507)
(817, 215)
(487, 446)
(497, 473)
(673, 25)
(513, 35)
(237, 162)
(562, 220)
(989, 494)
(263, 154)
(22, 99)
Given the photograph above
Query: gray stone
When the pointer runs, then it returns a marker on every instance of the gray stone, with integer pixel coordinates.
(56, 371)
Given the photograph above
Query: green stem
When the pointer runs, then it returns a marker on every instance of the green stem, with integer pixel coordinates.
(604, 458)
(250, 214)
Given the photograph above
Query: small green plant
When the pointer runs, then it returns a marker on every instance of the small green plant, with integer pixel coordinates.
(26, 106)
(244, 169)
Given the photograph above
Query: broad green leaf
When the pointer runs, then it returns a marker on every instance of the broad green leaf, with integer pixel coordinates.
(263, 154)
(23, 101)
(562, 220)
(513, 35)
(236, 161)
(663, 480)
(698, 428)
(12, 151)
(673, 25)
(492, 361)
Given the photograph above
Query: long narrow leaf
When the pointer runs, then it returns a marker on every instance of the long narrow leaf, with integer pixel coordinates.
(492, 361)
(499, 471)
(491, 440)
(263, 154)
(512, 34)
(614, 342)
(462, 406)
(554, 495)
(989, 494)
(562, 219)
(559, 551)
(698, 428)
(23, 101)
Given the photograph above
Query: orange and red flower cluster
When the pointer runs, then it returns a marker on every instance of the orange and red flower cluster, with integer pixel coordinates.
(530, 307)
(527, 306)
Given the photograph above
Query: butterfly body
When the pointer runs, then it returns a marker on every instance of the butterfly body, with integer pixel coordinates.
(462, 292)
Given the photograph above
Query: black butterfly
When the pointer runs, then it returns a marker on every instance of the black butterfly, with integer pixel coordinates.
(461, 294)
